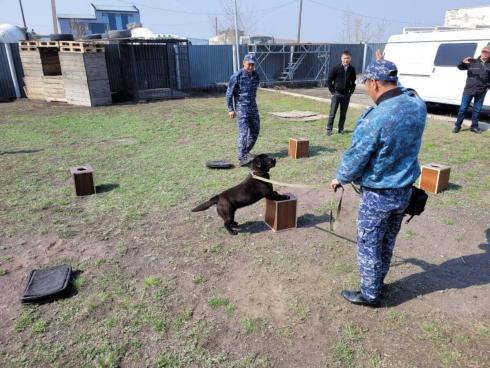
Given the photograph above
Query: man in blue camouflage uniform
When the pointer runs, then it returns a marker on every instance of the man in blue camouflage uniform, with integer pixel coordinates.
(240, 98)
(383, 160)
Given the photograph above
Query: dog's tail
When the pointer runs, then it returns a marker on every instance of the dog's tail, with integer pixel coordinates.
(206, 205)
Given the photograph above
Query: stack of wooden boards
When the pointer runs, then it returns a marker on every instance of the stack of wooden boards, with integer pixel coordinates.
(68, 71)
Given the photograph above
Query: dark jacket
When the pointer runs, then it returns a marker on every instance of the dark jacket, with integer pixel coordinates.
(478, 79)
(342, 81)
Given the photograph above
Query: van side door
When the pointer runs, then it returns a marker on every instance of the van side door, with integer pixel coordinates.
(446, 80)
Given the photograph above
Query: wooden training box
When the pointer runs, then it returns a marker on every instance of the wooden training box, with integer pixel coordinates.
(83, 180)
(298, 148)
(434, 177)
(281, 215)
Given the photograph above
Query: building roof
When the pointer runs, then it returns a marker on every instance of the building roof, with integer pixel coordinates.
(129, 9)
(110, 8)
(75, 16)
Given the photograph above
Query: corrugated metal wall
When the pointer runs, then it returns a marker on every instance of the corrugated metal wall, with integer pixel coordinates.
(7, 90)
(209, 65)
(371, 50)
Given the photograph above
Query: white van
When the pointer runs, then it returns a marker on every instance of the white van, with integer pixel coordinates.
(427, 58)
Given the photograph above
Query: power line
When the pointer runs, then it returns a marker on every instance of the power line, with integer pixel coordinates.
(272, 8)
(363, 15)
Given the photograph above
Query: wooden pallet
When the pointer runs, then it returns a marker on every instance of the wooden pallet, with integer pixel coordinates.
(28, 43)
(28, 48)
(80, 47)
(48, 44)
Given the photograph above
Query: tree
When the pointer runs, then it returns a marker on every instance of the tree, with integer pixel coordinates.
(78, 29)
(246, 21)
(357, 29)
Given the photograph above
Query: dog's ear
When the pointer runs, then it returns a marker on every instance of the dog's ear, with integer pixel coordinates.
(257, 162)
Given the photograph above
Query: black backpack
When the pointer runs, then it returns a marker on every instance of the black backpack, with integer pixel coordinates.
(417, 203)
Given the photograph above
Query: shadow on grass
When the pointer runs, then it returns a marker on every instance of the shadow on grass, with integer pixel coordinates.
(20, 151)
(104, 188)
(310, 220)
(453, 187)
(457, 273)
(253, 227)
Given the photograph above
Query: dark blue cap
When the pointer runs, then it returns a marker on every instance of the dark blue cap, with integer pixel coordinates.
(383, 70)
(250, 58)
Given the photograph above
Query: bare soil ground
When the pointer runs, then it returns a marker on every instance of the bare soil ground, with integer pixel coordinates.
(159, 286)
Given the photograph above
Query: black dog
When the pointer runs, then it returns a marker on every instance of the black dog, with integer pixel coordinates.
(244, 194)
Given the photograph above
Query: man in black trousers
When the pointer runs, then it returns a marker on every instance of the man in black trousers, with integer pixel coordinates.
(341, 83)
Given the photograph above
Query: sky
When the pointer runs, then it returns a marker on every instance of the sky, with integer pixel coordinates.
(323, 20)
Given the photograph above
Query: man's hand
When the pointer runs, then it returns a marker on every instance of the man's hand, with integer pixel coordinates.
(467, 60)
(232, 114)
(335, 185)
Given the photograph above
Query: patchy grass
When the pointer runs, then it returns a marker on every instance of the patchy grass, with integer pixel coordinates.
(252, 325)
(154, 276)
(221, 303)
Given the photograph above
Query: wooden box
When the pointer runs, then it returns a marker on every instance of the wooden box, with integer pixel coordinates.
(298, 148)
(281, 215)
(83, 180)
(434, 177)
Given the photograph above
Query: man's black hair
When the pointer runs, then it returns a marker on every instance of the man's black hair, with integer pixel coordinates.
(346, 52)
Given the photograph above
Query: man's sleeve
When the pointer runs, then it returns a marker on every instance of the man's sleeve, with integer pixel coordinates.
(231, 92)
(364, 143)
(331, 80)
(353, 81)
(463, 66)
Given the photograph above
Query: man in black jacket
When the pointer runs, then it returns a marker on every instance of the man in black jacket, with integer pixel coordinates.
(477, 83)
(341, 83)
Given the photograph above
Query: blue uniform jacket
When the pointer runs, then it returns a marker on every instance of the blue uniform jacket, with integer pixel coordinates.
(243, 89)
(385, 144)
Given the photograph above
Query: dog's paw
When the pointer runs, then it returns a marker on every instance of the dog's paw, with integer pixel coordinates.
(234, 232)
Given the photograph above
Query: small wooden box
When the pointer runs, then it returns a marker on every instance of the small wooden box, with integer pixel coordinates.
(281, 215)
(298, 148)
(83, 180)
(434, 177)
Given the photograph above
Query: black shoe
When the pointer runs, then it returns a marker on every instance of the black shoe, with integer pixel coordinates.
(476, 130)
(341, 132)
(456, 129)
(355, 297)
(329, 132)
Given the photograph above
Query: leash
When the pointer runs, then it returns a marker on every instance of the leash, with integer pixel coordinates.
(304, 186)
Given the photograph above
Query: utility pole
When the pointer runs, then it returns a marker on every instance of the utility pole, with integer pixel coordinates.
(55, 20)
(23, 18)
(237, 43)
(216, 25)
(299, 20)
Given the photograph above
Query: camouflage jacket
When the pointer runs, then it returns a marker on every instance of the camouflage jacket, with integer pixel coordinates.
(242, 89)
(386, 143)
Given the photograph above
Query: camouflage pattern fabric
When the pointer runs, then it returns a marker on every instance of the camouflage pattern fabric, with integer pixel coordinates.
(378, 223)
(241, 97)
(385, 144)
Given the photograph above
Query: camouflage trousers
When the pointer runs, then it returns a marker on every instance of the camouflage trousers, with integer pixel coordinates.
(378, 223)
(248, 131)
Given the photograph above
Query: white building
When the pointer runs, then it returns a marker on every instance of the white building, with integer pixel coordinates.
(468, 17)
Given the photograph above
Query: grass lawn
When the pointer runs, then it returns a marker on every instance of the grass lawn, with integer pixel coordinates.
(158, 286)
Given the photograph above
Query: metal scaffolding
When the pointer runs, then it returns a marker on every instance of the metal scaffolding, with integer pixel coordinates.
(291, 63)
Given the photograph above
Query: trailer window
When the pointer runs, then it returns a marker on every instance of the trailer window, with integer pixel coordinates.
(451, 54)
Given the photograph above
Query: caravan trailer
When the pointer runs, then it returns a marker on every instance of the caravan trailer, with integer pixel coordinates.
(427, 58)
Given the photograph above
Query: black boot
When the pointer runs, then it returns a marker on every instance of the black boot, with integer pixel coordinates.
(355, 297)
